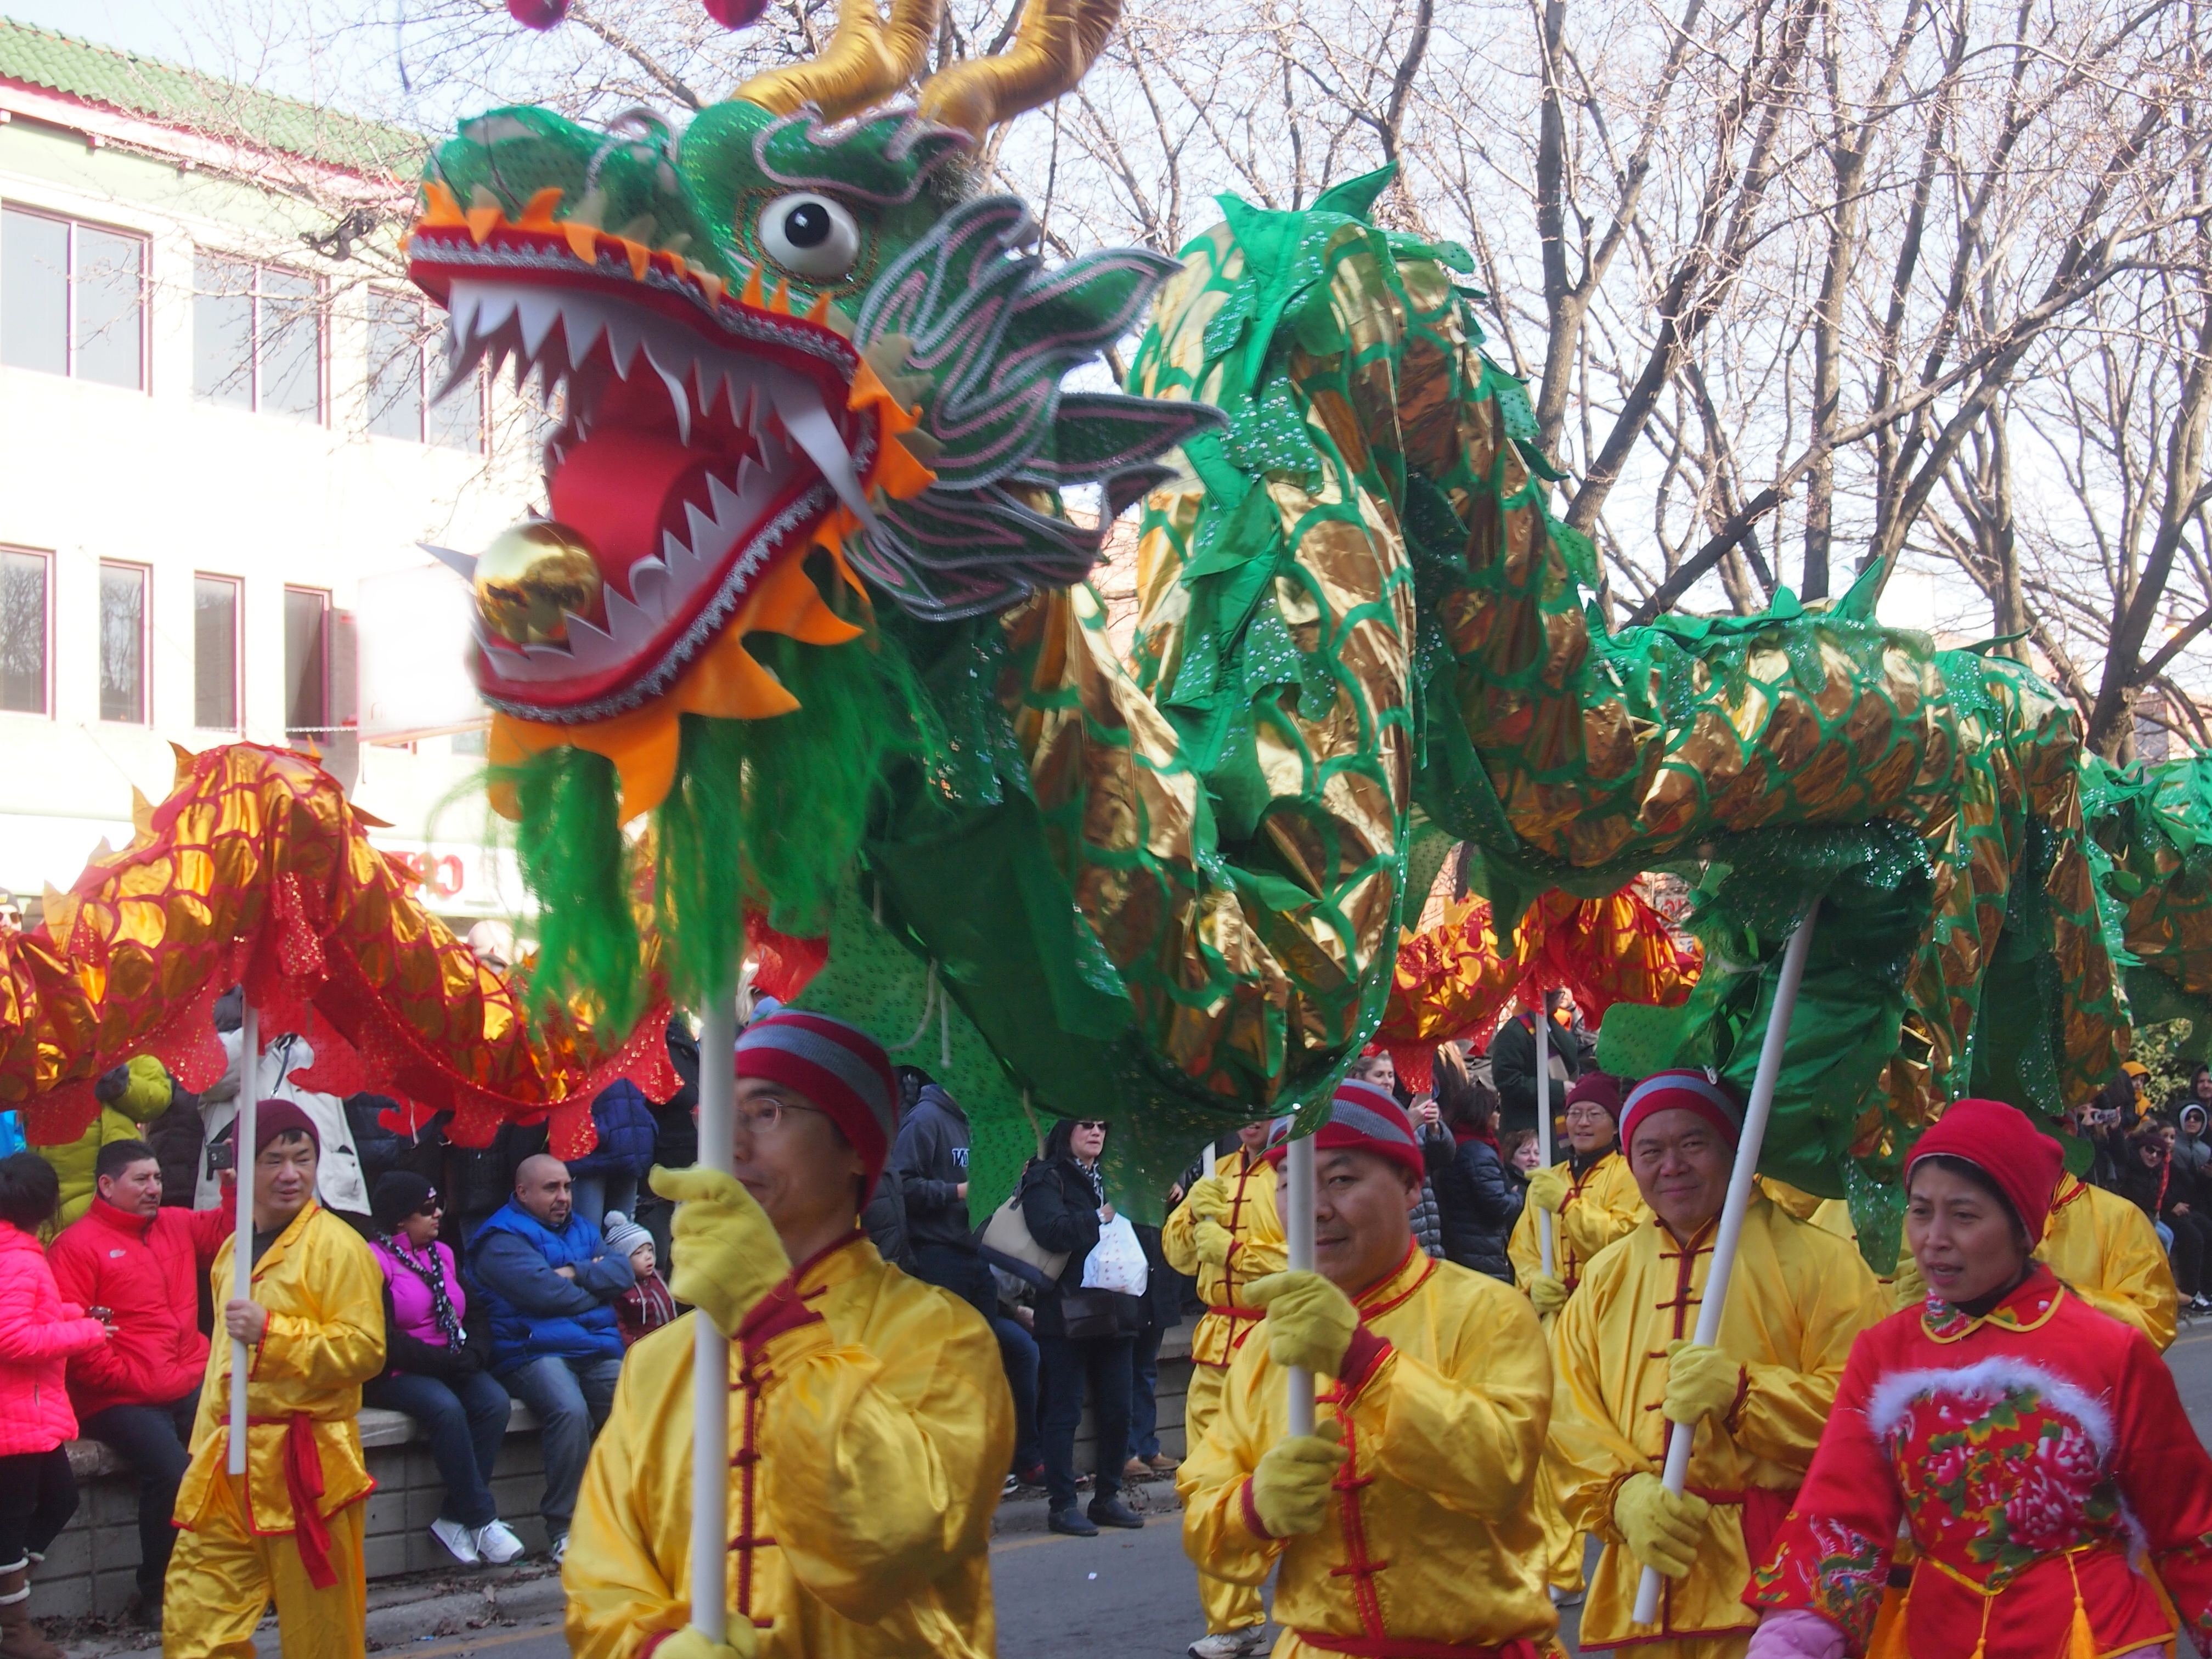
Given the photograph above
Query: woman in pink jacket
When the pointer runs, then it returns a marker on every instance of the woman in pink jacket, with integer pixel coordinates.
(39, 1332)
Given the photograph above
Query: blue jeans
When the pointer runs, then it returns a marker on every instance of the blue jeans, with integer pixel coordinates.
(967, 1275)
(466, 1420)
(570, 1399)
(592, 1195)
(2164, 1235)
(1144, 1393)
(1103, 1362)
(153, 1441)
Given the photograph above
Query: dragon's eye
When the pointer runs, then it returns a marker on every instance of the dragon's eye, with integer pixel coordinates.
(809, 236)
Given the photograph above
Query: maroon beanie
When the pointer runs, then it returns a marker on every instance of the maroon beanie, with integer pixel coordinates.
(1600, 1089)
(2001, 1142)
(272, 1118)
(1682, 1090)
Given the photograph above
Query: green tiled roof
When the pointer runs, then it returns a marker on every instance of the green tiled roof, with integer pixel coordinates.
(185, 99)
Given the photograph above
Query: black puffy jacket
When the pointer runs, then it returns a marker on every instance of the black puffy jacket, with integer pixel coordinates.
(1061, 1208)
(1479, 1199)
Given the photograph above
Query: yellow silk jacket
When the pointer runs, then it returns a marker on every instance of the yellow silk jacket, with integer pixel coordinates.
(326, 1338)
(1433, 1536)
(2104, 1248)
(867, 1451)
(1800, 1295)
(1603, 1205)
(1252, 1221)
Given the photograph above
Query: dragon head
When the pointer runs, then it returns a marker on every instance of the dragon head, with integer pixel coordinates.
(794, 326)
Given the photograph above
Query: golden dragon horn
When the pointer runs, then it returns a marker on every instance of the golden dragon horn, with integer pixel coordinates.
(1055, 45)
(865, 61)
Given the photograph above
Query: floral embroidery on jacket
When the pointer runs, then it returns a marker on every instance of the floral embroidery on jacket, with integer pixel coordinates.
(2000, 1480)
(1847, 1571)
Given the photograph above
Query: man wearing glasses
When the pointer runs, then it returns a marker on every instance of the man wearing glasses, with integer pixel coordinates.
(870, 1423)
(1592, 1199)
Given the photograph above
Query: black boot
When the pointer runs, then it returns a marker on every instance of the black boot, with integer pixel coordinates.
(1110, 1512)
(1071, 1521)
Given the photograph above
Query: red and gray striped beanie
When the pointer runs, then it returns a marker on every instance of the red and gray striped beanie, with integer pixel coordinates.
(838, 1068)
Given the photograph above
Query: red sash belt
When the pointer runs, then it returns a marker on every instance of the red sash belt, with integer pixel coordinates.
(1409, 1647)
(303, 1483)
(1237, 1313)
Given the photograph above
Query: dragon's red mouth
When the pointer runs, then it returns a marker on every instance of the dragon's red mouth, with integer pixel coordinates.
(705, 439)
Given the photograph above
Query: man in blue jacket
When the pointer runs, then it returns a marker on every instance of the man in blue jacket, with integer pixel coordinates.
(549, 1284)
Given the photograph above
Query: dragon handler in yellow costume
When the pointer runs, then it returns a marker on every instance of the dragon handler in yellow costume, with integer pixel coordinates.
(869, 1422)
(1593, 1200)
(1400, 1529)
(290, 1529)
(1228, 1233)
(1759, 1399)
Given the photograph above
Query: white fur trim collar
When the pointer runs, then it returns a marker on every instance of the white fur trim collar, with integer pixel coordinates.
(1990, 1379)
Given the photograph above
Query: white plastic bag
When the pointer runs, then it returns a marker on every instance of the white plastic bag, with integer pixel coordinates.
(1118, 1262)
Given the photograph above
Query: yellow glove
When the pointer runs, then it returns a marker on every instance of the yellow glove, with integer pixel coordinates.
(1701, 1382)
(688, 1643)
(1208, 1198)
(1309, 1321)
(1213, 1241)
(727, 1254)
(1549, 1294)
(1662, 1529)
(1291, 1486)
(1548, 1190)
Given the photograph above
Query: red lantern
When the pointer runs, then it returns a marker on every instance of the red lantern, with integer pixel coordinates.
(538, 14)
(735, 13)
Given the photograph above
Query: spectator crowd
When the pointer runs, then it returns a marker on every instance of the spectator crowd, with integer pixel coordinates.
(405, 1273)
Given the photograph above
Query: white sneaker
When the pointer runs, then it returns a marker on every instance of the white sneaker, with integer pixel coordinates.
(560, 1551)
(1230, 1644)
(496, 1542)
(460, 1542)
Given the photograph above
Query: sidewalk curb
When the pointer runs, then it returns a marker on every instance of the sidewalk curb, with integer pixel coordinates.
(400, 1613)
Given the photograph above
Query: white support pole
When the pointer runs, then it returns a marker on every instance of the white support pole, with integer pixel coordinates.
(710, 1362)
(242, 1264)
(1544, 1123)
(1755, 1115)
(1299, 1213)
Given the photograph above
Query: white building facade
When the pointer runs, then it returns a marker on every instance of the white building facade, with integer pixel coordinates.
(212, 433)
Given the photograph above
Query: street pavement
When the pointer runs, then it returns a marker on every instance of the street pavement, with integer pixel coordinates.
(1124, 1594)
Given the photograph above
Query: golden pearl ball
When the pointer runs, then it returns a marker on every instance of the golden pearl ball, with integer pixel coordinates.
(532, 578)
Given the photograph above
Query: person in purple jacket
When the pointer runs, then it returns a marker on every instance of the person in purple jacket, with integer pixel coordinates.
(432, 1373)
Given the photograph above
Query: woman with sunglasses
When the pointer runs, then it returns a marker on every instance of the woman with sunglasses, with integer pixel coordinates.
(1080, 1334)
(432, 1373)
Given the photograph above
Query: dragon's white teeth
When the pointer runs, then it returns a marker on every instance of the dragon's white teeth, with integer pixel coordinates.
(463, 565)
(538, 313)
(704, 531)
(673, 553)
(725, 502)
(680, 395)
(648, 586)
(625, 336)
(590, 647)
(800, 408)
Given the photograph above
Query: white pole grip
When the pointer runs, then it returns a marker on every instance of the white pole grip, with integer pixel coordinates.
(1760, 1107)
(242, 1261)
(1299, 1216)
(1544, 1123)
(710, 1361)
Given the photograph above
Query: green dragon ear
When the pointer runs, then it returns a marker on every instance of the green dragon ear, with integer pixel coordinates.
(1355, 198)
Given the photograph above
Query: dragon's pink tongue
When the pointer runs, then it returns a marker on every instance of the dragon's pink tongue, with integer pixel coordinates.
(622, 488)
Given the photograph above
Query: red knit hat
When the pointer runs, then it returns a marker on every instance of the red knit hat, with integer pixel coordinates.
(272, 1118)
(839, 1068)
(1365, 1119)
(1683, 1091)
(1600, 1089)
(1999, 1141)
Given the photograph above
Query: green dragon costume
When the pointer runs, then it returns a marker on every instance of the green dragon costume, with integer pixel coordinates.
(808, 596)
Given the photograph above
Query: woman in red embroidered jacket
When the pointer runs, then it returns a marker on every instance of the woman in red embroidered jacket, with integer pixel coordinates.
(2035, 1447)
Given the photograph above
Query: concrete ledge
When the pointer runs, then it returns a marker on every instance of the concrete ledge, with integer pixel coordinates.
(90, 1573)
